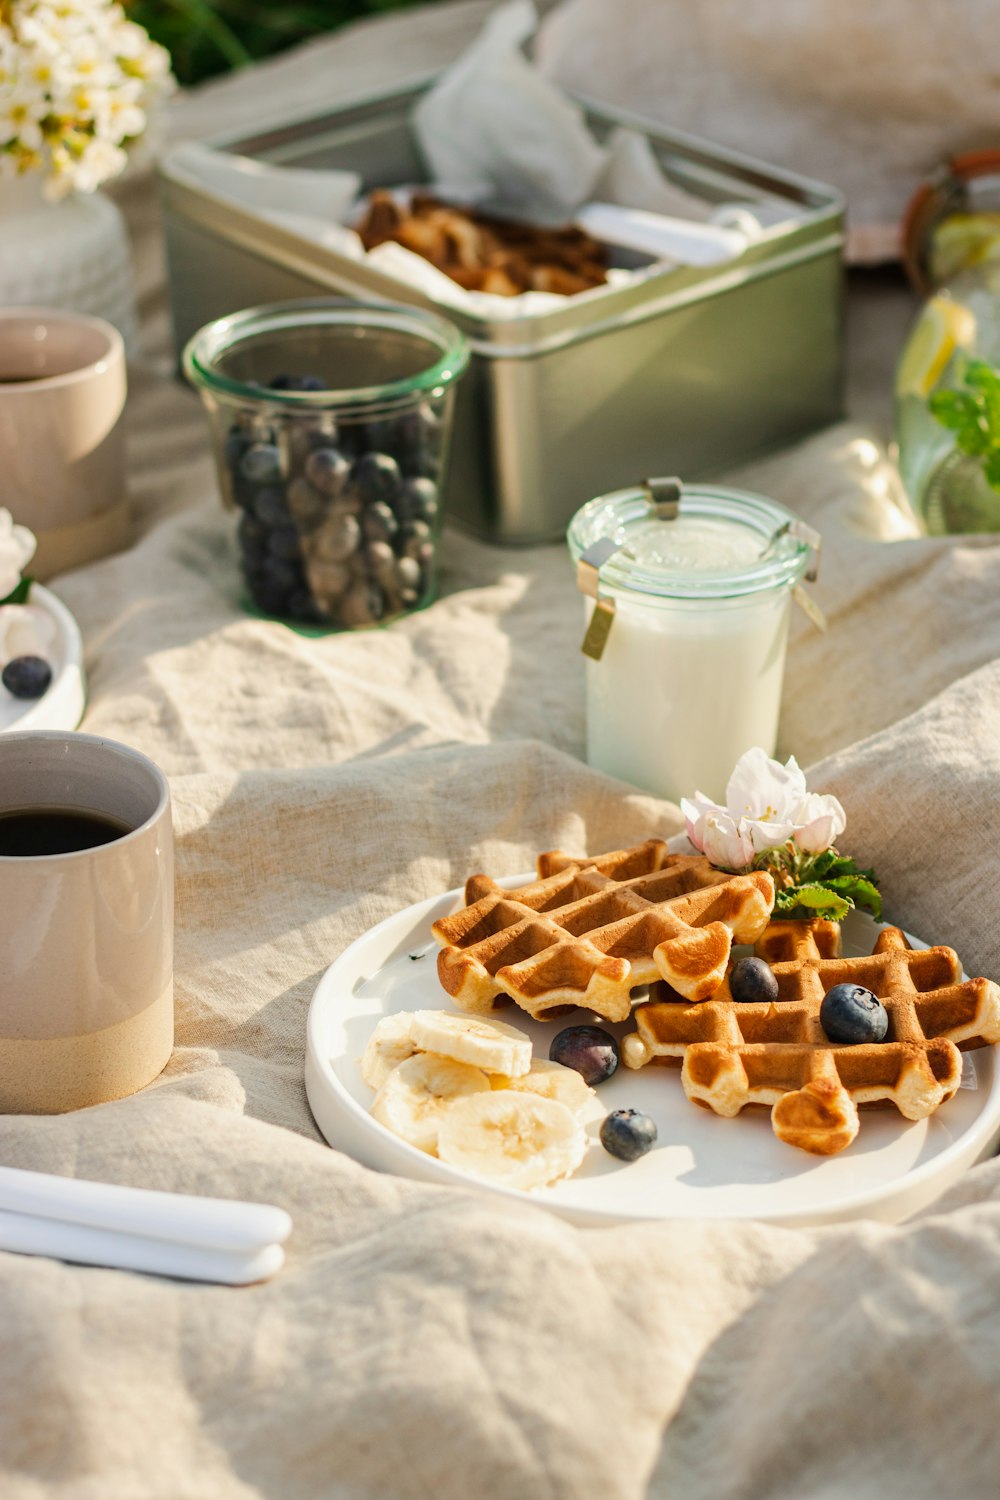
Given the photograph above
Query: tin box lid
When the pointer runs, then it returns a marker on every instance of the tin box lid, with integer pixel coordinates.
(665, 540)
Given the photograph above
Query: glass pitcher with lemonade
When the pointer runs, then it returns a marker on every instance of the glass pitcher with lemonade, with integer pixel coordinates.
(947, 393)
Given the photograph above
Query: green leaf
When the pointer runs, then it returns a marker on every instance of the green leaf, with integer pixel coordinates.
(811, 900)
(981, 376)
(859, 892)
(19, 595)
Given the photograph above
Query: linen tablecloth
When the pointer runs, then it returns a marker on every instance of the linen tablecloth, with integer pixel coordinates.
(424, 1342)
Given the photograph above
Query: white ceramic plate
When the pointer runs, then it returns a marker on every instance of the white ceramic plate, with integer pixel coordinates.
(702, 1167)
(61, 705)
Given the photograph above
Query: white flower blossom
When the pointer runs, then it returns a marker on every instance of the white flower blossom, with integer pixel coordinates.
(25, 630)
(17, 548)
(767, 804)
(77, 82)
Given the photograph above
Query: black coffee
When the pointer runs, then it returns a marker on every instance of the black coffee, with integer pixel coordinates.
(31, 831)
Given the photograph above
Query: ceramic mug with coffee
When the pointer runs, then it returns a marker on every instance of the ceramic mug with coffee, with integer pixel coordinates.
(86, 921)
(62, 436)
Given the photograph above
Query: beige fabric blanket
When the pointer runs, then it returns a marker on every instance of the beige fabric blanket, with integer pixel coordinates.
(429, 1344)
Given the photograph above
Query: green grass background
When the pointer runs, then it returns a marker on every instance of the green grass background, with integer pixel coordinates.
(205, 37)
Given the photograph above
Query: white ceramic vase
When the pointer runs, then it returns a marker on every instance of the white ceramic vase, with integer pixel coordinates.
(73, 254)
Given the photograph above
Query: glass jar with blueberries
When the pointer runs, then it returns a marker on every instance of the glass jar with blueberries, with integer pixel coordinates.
(331, 423)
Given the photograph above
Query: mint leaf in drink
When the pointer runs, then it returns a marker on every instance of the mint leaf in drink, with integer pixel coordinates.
(973, 415)
(982, 376)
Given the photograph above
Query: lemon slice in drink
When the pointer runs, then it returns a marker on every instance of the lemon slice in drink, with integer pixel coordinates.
(942, 327)
(961, 241)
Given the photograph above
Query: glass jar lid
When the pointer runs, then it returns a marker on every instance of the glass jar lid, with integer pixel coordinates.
(669, 541)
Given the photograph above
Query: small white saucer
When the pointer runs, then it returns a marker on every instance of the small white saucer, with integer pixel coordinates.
(61, 705)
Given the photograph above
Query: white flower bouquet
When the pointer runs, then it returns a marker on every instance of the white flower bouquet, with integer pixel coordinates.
(771, 821)
(77, 81)
(25, 630)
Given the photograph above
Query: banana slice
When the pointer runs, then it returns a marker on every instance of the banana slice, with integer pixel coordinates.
(388, 1046)
(491, 1045)
(550, 1080)
(418, 1092)
(517, 1140)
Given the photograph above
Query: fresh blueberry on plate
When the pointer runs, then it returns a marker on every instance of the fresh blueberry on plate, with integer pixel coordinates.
(751, 980)
(851, 1014)
(628, 1134)
(26, 676)
(591, 1050)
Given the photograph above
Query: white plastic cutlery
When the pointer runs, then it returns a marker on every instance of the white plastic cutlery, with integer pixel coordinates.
(25, 1234)
(175, 1234)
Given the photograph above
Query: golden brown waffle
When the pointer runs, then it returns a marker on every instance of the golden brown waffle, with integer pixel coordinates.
(588, 931)
(737, 1054)
(483, 253)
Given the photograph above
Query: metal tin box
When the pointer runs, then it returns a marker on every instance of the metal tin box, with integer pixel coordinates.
(688, 371)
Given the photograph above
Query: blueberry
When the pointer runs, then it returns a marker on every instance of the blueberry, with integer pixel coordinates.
(235, 446)
(252, 536)
(363, 604)
(592, 1051)
(379, 522)
(376, 435)
(306, 504)
(750, 980)
(421, 465)
(272, 583)
(381, 563)
(327, 469)
(298, 383)
(283, 543)
(418, 500)
(628, 1134)
(413, 538)
(329, 581)
(301, 605)
(269, 597)
(408, 573)
(270, 508)
(261, 464)
(26, 676)
(375, 476)
(851, 1014)
(337, 538)
(419, 428)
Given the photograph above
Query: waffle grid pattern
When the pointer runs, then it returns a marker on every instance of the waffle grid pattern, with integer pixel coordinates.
(738, 1054)
(589, 931)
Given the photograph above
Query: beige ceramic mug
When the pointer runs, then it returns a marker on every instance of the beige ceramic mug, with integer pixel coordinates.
(86, 921)
(62, 454)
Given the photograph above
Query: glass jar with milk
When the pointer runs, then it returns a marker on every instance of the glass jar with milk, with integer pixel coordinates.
(689, 593)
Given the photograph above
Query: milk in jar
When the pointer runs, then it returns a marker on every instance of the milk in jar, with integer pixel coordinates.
(690, 674)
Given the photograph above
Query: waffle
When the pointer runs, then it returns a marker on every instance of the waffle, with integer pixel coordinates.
(588, 931)
(737, 1054)
(485, 254)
